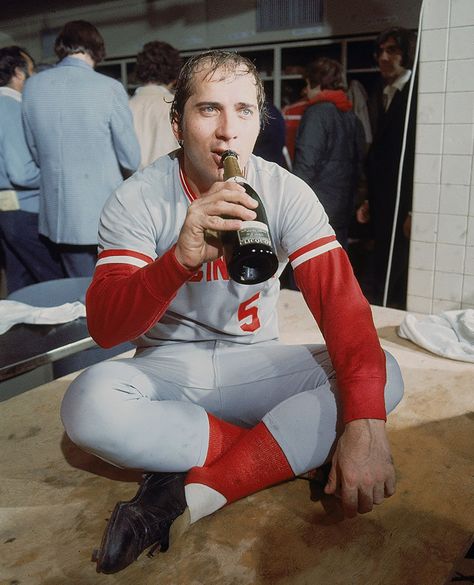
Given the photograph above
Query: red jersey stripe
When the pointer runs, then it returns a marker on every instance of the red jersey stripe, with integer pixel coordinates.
(311, 246)
(139, 255)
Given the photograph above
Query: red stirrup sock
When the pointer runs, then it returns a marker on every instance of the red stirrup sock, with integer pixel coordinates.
(222, 435)
(255, 462)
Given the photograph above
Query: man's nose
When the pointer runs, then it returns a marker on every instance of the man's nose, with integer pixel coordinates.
(228, 126)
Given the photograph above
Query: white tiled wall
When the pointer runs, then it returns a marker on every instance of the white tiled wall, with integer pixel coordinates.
(441, 274)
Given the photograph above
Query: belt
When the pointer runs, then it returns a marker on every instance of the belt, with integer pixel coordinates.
(9, 200)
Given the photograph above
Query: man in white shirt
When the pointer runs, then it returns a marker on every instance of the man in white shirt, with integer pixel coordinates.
(157, 68)
(392, 69)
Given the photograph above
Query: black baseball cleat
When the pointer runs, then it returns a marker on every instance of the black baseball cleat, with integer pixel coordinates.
(318, 482)
(318, 479)
(143, 522)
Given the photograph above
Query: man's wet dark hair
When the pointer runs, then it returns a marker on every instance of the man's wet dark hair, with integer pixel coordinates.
(229, 62)
(80, 36)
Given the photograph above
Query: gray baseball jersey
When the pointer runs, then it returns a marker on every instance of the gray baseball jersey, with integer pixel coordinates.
(142, 220)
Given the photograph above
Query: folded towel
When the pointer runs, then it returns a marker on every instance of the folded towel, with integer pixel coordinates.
(13, 312)
(450, 334)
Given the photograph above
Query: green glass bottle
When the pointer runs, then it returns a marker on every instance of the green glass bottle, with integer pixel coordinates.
(248, 252)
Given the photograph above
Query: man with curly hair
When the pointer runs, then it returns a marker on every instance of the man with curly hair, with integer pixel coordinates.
(157, 68)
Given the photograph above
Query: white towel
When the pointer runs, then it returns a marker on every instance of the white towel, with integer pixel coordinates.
(450, 334)
(13, 312)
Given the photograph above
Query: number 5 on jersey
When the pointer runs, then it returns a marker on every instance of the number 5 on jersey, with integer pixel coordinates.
(248, 314)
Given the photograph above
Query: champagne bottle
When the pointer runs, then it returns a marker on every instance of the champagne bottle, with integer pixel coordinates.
(248, 252)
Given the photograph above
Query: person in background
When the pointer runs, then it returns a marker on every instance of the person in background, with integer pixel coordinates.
(330, 145)
(28, 257)
(212, 406)
(40, 67)
(270, 143)
(394, 52)
(359, 97)
(157, 68)
(292, 114)
(80, 131)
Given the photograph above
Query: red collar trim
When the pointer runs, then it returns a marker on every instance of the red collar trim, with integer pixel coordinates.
(187, 189)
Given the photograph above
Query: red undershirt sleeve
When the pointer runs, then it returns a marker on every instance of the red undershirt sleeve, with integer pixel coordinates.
(124, 301)
(333, 295)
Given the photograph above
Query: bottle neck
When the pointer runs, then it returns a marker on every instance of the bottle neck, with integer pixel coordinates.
(231, 167)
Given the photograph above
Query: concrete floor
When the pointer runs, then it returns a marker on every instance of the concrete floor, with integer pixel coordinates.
(54, 498)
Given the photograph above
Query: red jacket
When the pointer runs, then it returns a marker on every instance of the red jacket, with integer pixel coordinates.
(294, 112)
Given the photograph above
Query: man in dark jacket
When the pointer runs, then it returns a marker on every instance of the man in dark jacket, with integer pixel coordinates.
(330, 145)
(388, 107)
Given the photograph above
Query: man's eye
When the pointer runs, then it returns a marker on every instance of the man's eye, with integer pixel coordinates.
(208, 109)
(391, 50)
(246, 112)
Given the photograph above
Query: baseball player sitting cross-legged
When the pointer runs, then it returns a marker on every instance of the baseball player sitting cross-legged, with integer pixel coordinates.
(213, 407)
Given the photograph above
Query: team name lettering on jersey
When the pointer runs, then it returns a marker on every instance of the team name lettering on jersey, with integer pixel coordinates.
(215, 270)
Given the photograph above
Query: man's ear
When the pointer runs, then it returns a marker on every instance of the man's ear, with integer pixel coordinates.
(176, 131)
(19, 74)
(17, 80)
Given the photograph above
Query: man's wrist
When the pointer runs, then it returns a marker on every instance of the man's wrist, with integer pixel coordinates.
(182, 261)
(366, 423)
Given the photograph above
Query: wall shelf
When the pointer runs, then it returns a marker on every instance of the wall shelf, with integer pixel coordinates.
(281, 65)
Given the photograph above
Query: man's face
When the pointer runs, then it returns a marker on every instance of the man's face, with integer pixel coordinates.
(389, 58)
(221, 114)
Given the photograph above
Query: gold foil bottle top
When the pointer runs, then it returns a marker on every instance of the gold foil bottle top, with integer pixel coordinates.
(230, 160)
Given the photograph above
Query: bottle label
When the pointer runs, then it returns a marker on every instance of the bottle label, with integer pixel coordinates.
(254, 232)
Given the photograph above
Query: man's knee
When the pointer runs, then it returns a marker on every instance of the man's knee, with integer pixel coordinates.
(88, 406)
(394, 386)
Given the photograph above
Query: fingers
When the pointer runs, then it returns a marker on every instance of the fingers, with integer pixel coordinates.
(232, 192)
(223, 208)
(370, 495)
(362, 467)
(378, 493)
(346, 486)
(390, 485)
(359, 497)
(350, 501)
(360, 500)
(331, 485)
(221, 213)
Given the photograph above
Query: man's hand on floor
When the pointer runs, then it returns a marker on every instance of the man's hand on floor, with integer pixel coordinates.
(362, 472)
